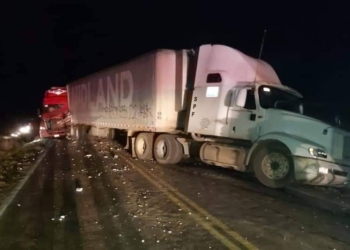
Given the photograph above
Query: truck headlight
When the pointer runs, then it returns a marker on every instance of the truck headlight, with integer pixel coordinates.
(317, 152)
(25, 129)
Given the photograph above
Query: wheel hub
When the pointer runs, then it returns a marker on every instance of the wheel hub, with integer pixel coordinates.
(275, 166)
(141, 146)
(161, 149)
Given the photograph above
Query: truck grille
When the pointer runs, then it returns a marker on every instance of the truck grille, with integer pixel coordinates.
(346, 148)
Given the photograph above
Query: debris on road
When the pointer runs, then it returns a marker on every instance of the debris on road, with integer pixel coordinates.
(78, 186)
(14, 164)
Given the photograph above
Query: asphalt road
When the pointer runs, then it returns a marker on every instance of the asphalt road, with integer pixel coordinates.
(93, 195)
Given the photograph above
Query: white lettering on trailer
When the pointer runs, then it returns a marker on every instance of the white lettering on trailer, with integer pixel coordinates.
(92, 104)
(112, 92)
(100, 100)
(83, 93)
(118, 94)
(127, 88)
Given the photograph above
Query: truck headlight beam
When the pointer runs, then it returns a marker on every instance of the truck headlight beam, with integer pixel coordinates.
(25, 130)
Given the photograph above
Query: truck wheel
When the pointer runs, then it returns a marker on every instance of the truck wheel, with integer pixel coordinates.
(167, 150)
(144, 146)
(273, 166)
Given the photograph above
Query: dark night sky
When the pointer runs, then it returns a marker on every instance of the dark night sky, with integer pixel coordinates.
(46, 44)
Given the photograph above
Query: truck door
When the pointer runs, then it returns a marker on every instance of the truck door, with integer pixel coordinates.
(204, 108)
(244, 114)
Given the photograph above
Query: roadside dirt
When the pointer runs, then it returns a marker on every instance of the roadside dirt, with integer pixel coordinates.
(15, 164)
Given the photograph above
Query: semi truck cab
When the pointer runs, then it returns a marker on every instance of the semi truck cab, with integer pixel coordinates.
(55, 113)
(258, 126)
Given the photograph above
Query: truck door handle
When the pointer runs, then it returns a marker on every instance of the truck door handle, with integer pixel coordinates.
(252, 117)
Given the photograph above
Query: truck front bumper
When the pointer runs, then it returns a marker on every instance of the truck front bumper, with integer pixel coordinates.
(52, 134)
(318, 172)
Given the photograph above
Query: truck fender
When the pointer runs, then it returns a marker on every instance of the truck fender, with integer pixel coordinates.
(297, 145)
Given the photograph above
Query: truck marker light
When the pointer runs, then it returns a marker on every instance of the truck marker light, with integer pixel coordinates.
(57, 92)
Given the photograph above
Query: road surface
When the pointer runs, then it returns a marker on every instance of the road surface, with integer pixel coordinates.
(93, 195)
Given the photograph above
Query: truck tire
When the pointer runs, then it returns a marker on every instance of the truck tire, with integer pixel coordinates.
(273, 166)
(167, 150)
(144, 146)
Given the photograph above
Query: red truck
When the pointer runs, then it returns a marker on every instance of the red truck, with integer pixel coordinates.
(55, 115)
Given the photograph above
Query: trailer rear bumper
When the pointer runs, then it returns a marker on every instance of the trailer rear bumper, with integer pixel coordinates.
(52, 134)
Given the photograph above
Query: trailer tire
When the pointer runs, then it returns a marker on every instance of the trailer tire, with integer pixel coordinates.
(111, 134)
(72, 131)
(273, 165)
(144, 146)
(167, 150)
(77, 132)
(80, 132)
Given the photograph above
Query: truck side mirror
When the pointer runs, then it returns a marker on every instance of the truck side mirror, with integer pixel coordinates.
(39, 115)
(337, 121)
(241, 97)
(301, 109)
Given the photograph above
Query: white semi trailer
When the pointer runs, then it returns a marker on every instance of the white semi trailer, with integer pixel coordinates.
(232, 103)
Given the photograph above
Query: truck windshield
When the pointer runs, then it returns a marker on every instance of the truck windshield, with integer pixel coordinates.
(52, 107)
(271, 97)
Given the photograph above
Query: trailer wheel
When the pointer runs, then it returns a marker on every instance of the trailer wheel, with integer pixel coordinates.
(167, 150)
(273, 166)
(111, 134)
(144, 146)
(78, 132)
(72, 131)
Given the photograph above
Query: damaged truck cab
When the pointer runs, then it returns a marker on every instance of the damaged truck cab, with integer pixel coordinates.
(55, 118)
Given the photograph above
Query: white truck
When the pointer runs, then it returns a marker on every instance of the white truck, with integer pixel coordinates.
(233, 104)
